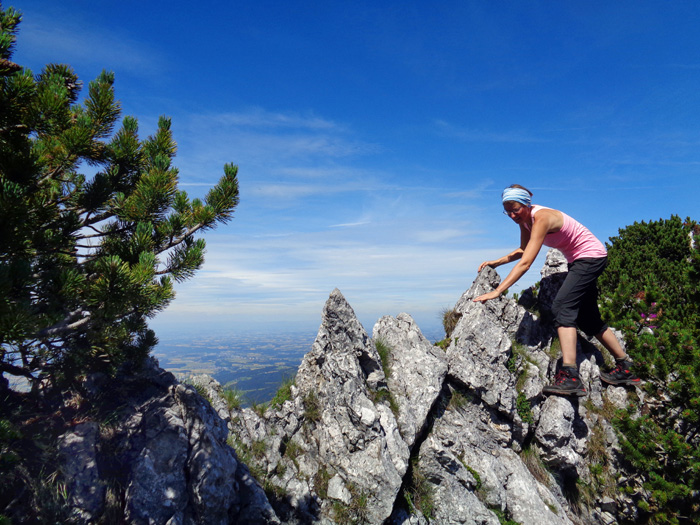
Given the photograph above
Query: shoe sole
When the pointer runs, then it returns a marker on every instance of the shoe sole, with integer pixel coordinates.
(576, 393)
(630, 382)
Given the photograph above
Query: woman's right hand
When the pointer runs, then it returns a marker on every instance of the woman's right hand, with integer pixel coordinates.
(484, 264)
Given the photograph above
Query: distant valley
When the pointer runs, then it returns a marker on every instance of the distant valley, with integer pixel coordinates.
(256, 364)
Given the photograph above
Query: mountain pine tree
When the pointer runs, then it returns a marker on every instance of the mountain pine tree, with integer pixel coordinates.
(85, 260)
(650, 290)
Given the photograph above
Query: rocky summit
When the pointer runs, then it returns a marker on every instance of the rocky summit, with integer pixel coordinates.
(383, 429)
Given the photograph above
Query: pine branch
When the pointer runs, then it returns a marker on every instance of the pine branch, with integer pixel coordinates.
(50, 175)
(98, 218)
(67, 325)
(99, 234)
(180, 238)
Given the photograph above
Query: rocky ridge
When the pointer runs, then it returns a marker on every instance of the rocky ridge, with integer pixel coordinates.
(382, 429)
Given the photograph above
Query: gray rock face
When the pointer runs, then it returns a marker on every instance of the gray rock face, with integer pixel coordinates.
(78, 450)
(168, 461)
(182, 463)
(468, 455)
(342, 444)
(418, 371)
(482, 344)
(356, 436)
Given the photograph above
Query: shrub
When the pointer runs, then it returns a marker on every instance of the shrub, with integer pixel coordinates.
(419, 492)
(650, 291)
(444, 343)
(524, 409)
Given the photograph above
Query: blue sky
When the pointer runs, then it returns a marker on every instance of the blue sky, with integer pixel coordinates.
(374, 138)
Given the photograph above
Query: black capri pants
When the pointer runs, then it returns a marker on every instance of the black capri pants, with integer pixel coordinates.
(576, 303)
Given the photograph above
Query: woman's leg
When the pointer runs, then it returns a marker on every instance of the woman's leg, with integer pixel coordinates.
(608, 340)
(567, 339)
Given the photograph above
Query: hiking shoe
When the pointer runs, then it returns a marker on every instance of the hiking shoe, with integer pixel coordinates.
(620, 375)
(566, 383)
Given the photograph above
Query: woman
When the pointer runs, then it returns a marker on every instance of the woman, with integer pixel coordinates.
(576, 303)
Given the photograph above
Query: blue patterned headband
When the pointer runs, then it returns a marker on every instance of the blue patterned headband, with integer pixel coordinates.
(517, 195)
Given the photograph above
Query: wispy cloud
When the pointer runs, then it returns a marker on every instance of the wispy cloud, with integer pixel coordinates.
(70, 40)
(350, 224)
(480, 135)
(242, 276)
(260, 118)
(274, 144)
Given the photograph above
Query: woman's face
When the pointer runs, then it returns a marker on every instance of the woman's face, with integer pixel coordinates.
(516, 211)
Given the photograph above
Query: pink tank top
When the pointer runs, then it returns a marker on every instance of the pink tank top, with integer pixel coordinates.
(574, 240)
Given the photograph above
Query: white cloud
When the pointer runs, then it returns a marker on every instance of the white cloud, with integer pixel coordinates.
(45, 39)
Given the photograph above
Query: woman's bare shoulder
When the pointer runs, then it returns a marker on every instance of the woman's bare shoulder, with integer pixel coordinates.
(552, 218)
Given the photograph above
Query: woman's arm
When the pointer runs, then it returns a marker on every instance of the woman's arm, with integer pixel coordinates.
(533, 243)
(512, 256)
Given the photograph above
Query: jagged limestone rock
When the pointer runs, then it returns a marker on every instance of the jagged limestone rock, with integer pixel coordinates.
(482, 345)
(344, 438)
(561, 433)
(336, 441)
(163, 456)
(553, 274)
(473, 470)
(78, 450)
(355, 436)
(182, 470)
(417, 372)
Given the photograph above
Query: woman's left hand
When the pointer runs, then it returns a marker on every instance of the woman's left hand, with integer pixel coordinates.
(487, 296)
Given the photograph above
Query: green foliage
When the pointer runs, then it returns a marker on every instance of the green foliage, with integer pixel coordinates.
(284, 393)
(259, 408)
(199, 388)
(459, 399)
(524, 409)
(554, 350)
(502, 517)
(383, 395)
(321, 479)
(258, 448)
(650, 291)
(384, 352)
(233, 397)
(419, 492)
(86, 260)
(532, 460)
(8, 435)
(517, 364)
(312, 407)
(32, 489)
(356, 512)
(474, 473)
(444, 344)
